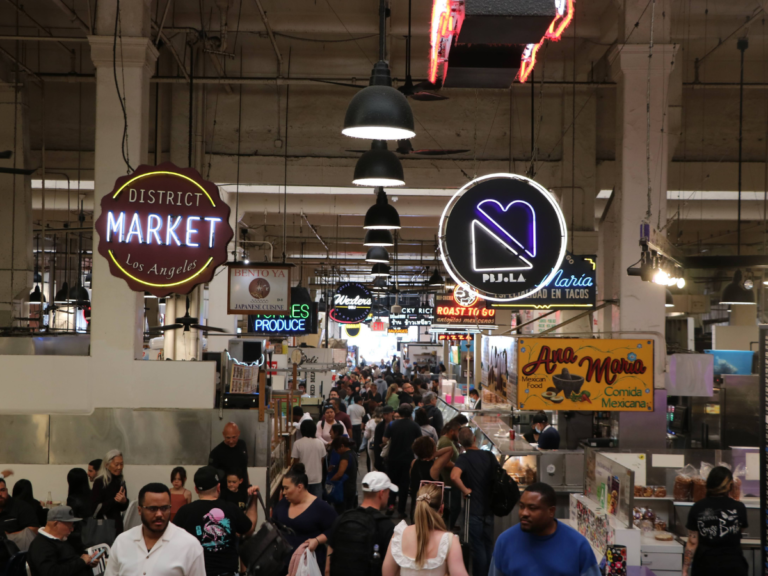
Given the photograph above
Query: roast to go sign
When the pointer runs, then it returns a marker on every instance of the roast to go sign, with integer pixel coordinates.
(503, 236)
(163, 229)
(575, 374)
(259, 289)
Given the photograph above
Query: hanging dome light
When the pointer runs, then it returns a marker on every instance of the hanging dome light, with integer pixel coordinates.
(435, 279)
(379, 284)
(378, 237)
(670, 300)
(79, 294)
(379, 112)
(380, 270)
(62, 294)
(36, 296)
(735, 293)
(382, 215)
(377, 255)
(379, 167)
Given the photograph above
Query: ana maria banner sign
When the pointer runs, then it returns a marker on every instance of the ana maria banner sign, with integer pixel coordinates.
(351, 303)
(576, 374)
(573, 286)
(503, 236)
(163, 229)
(259, 289)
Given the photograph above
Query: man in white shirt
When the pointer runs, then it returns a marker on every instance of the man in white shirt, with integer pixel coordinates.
(310, 451)
(356, 413)
(156, 548)
(299, 416)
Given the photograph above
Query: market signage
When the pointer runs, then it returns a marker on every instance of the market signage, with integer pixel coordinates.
(302, 319)
(573, 286)
(585, 374)
(163, 229)
(503, 236)
(412, 316)
(447, 311)
(351, 303)
(259, 289)
(454, 337)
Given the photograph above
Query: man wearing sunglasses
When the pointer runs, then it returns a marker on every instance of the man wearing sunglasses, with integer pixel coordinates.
(155, 547)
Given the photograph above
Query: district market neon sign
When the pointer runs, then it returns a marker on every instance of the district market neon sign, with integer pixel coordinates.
(164, 229)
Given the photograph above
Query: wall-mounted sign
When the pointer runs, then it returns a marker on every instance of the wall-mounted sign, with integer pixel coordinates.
(573, 286)
(447, 311)
(259, 289)
(352, 330)
(454, 337)
(163, 229)
(412, 316)
(351, 303)
(302, 319)
(502, 236)
(378, 326)
(575, 374)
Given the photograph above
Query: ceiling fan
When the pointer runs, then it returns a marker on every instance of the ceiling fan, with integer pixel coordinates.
(187, 322)
(420, 90)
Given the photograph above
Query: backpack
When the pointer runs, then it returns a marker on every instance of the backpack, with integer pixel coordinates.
(354, 536)
(504, 491)
(266, 553)
(12, 561)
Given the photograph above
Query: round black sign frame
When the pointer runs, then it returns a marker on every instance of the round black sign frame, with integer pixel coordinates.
(503, 236)
(349, 303)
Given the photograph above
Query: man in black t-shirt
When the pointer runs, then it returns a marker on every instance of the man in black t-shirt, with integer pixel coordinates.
(232, 454)
(216, 523)
(400, 436)
(15, 515)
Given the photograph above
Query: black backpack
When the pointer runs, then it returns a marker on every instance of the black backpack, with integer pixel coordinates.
(354, 536)
(266, 553)
(12, 562)
(504, 491)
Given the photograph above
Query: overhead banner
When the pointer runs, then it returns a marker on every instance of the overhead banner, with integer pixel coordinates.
(163, 229)
(585, 374)
(351, 303)
(412, 316)
(301, 321)
(573, 286)
(449, 312)
(259, 289)
(503, 236)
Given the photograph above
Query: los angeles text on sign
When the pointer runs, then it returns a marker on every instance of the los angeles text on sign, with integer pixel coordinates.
(585, 374)
(163, 229)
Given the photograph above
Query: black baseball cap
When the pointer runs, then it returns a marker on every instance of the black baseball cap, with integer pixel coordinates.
(206, 478)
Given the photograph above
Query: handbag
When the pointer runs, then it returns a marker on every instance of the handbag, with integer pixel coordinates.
(335, 490)
(267, 552)
(98, 530)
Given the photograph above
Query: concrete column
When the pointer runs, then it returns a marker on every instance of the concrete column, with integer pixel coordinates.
(16, 258)
(118, 312)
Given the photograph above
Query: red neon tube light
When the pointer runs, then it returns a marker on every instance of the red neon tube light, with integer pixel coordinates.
(555, 31)
(447, 17)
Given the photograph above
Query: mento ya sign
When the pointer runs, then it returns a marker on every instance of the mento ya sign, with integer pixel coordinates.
(351, 303)
(259, 289)
(503, 236)
(576, 374)
(573, 286)
(448, 311)
(163, 229)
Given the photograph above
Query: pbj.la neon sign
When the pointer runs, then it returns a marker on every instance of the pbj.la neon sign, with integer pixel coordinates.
(164, 229)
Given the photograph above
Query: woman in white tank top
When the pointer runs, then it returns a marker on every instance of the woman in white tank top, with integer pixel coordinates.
(426, 548)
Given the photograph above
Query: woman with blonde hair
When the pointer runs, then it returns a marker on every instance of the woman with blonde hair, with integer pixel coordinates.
(392, 398)
(426, 548)
(109, 493)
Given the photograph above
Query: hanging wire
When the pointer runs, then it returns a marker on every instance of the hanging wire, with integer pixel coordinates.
(239, 134)
(647, 218)
(120, 96)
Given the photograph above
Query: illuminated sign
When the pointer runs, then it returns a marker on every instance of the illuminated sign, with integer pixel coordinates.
(503, 237)
(447, 311)
(447, 16)
(352, 330)
(301, 321)
(454, 337)
(412, 316)
(351, 303)
(163, 229)
(259, 289)
(573, 286)
(397, 330)
(555, 31)
(463, 295)
(378, 326)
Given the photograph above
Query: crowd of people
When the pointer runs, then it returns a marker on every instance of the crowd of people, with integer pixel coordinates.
(420, 471)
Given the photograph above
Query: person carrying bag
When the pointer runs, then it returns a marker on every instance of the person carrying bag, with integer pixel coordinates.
(98, 530)
(267, 552)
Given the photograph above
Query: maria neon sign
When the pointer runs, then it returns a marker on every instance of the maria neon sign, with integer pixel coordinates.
(164, 229)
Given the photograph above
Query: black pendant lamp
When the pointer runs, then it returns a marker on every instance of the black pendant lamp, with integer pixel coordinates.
(377, 255)
(380, 270)
(79, 294)
(382, 215)
(378, 237)
(735, 293)
(435, 279)
(380, 112)
(379, 167)
(63, 293)
(670, 300)
(36, 296)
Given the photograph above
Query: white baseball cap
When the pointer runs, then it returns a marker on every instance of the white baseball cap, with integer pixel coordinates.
(376, 482)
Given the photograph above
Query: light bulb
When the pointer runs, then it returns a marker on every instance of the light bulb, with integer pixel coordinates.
(246, 261)
(661, 277)
(671, 281)
(681, 283)
(748, 284)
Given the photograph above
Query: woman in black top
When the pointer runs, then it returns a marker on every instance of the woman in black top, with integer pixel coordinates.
(714, 530)
(347, 465)
(109, 490)
(427, 466)
(22, 490)
(79, 494)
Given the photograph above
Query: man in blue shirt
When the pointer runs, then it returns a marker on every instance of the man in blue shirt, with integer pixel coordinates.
(549, 437)
(540, 544)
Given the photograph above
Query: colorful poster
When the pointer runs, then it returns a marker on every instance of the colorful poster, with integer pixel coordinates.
(499, 374)
(585, 374)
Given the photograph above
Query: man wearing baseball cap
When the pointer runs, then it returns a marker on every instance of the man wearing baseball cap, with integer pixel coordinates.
(50, 554)
(348, 553)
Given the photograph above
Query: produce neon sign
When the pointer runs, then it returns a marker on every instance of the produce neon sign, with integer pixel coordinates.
(163, 229)
(555, 31)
